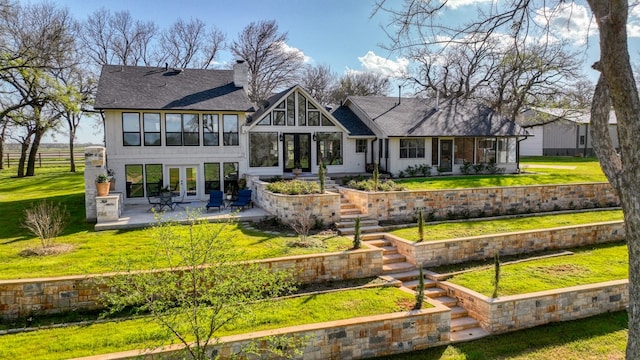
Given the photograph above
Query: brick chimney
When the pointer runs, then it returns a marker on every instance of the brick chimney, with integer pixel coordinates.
(241, 74)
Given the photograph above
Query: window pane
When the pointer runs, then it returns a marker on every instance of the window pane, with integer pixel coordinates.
(131, 139)
(291, 111)
(191, 138)
(302, 110)
(134, 184)
(511, 158)
(230, 128)
(152, 139)
(151, 122)
(361, 145)
(278, 117)
(153, 179)
(230, 177)
(326, 121)
(130, 122)
(211, 177)
(485, 150)
(210, 130)
(329, 148)
(173, 123)
(174, 139)
(266, 120)
(463, 150)
(263, 149)
(314, 118)
(190, 122)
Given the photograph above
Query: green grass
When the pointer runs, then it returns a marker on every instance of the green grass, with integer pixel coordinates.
(75, 341)
(451, 230)
(588, 265)
(586, 170)
(598, 337)
(97, 252)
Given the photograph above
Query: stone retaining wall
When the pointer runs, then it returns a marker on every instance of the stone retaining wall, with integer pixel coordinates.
(355, 338)
(325, 207)
(480, 202)
(452, 251)
(67, 293)
(510, 313)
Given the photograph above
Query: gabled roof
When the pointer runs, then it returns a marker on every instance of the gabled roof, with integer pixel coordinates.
(351, 121)
(421, 117)
(541, 116)
(142, 88)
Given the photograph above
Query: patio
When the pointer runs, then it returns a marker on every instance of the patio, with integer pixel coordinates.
(137, 216)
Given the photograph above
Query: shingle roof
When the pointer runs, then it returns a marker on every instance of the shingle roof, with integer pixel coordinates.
(541, 116)
(419, 117)
(351, 122)
(139, 87)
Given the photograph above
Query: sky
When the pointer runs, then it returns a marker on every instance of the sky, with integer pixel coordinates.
(340, 33)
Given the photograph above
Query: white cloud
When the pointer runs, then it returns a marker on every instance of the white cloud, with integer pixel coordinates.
(378, 64)
(568, 21)
(633, 22)
(454, 4)
(289, 49)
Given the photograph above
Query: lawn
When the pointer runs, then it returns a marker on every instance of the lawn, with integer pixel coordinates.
(113, 336)
(588, 265)
(542, 170)
(98, 252)
(451, 230)
(598, 337)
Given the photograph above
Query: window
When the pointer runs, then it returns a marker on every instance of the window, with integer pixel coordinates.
(463, 150)
(506, 150)
(153, 178)
(326, 121)
(581, 139)
(173, 129)
(486, 150)
(211, 177)
(434, 152)
(266, 120)
(329, 148)
(263, 149)
(210, 132)
(361, 145)
(291, 110)
(135, 183)
(314, 118)
(302, 110)
(230, 130)
(230, 177)
(151, 125)
(131, 129)
(190, 126)
(411, 148)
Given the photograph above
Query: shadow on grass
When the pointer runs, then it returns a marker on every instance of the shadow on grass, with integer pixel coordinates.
(551, 338)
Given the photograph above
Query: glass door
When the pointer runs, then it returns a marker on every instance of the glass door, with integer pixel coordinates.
(446, 155)
(297, 152)
(183, 181)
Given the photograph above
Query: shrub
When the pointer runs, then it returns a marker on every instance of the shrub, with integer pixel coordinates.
(294, 187)
(466, 168)
(420, 225)
(46, 221)
(419, 290)
(369, 185)
(425, 170)
(357, 242)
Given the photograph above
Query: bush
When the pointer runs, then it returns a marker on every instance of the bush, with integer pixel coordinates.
(294, 187)
(369, 185)
(46, 221)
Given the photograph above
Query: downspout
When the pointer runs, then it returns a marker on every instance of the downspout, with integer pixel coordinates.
(373, 142)
(526, 136)
(586, 140)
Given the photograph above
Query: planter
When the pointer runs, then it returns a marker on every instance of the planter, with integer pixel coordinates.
(112, 184)
(102, 188)
(297, 172)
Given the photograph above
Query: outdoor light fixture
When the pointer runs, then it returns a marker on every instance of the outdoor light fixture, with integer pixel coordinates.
(315, 138)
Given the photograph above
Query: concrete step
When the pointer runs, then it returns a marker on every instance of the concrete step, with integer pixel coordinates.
(353, 211)
(410, 274)
(374, 236)
(413, 284)
(434, 292)
(393, 258)
(376, 242)
(390, 269)
(468, 334)
(389, 250)
(462, 323)
(345, 205)
(446, 301)
(458, 311)
(352, 217)
(363, 229)
(347, 224)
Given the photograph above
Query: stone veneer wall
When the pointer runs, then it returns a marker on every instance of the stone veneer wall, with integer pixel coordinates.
(355, 338)
(109, 208)
(510, 313)
(94, 164)
(451, 251)
(59, 294)
(478, 202)
(325, 207)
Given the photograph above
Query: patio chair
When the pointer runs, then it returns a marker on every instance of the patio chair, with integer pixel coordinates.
(244, 199)
(215, 200)
(166, 200)
(153, 195)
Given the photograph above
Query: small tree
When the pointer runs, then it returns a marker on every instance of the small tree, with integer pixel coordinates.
(46, 221)
(357, 242)
(204, 287)
(420, 225)
(496, 274)
(322, 173)
(376, 176)
(303, 221)
(419, 290)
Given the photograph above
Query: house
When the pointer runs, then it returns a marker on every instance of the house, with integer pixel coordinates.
(442, 134)
(560, 132)
(195, 130)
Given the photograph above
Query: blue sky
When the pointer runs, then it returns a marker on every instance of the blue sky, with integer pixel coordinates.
(340, 33)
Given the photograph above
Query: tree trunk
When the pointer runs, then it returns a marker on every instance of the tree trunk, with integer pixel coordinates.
(72, 137)
(33, 152)
(617, 73)
(24, 148)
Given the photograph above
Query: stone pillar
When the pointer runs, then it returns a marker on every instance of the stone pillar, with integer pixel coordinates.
(94, 164)
(109, 208)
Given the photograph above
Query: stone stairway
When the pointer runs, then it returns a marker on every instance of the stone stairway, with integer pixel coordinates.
(348, 215)
(463, 327)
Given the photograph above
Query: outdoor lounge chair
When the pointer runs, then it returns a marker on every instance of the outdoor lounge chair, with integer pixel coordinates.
(244, 199)
(215, 200)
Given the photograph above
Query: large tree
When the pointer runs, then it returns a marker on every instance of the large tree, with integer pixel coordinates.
(320, 81)
(190, 44)
(361, 84)
(418, 20)
(272, 64)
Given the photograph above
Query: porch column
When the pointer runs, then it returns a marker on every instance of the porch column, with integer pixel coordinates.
(94, 164)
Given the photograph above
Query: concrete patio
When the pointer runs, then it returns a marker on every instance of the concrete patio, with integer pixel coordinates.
(140, 215)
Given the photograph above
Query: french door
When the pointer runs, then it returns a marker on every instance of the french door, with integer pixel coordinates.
(297, 152)
(446, 155)
(183, 180)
